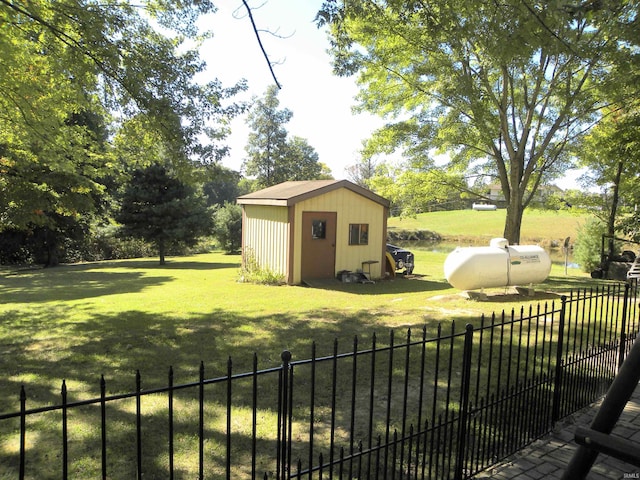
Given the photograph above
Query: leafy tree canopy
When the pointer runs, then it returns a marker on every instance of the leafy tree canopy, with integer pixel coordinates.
(303, 161)
(90, 91)
(60, 56)
(221, 185)
(228, 227)
(611, 153)
(508, 85)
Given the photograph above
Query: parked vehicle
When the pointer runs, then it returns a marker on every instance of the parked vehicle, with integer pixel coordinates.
(403, 258)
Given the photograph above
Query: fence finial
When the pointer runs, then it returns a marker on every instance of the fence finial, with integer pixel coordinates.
(286, 357)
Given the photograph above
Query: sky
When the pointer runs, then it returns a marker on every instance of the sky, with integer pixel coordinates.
(321, 102)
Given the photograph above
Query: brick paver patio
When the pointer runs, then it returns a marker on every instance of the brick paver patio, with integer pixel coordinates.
(548, 457)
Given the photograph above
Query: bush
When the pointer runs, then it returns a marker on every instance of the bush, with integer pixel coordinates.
(15, 248)
(252, 272)
(228, 227)
(105, 244)
(588, 246)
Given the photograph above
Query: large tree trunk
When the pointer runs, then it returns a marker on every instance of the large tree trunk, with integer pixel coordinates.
(513, 221)
(611, 223)
(51, 244)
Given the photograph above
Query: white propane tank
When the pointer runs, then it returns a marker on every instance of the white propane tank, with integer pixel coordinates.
(498, 265)
(483, 206)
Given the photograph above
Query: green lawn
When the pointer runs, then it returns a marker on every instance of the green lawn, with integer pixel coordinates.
(77, 322)
(537, 225)
(80, 321)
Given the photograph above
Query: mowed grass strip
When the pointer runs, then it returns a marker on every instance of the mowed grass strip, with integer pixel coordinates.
(537, 225)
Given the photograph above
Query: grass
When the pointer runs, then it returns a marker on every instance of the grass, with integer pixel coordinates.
(537, 225)
(77, 322)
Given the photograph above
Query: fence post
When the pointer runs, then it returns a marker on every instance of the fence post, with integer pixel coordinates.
(65, 432)
(464, 402)
(557, 386)
(23, 429)
(623, 326)
(282, 468)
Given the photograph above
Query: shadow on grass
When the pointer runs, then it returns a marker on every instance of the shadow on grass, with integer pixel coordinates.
(175, 265)
(118, 345)
(562, 284)
(43, 349)
(75, 282)
(400, 284)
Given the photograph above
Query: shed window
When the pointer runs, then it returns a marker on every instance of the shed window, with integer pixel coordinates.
(358, 234)
(318, 229)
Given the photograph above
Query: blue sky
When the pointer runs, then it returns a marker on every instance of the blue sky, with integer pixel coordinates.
(321, 102)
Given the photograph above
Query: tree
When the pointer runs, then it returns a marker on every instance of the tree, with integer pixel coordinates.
(60, 56)
(361, 172)
(302, 161)
(267, 142)
(163, 210)
(51, 188)
(611, 154)
(67, 63)
(413, 190)
(221, 185)
(506, 86)
(271, 157)
(228, 227)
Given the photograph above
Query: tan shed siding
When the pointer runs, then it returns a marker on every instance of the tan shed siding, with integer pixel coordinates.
(266, 236)
(351, 208)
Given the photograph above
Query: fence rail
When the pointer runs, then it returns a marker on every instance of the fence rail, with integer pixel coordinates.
(437, 405)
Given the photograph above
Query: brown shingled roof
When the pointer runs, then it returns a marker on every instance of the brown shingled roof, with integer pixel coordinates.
(290, 193)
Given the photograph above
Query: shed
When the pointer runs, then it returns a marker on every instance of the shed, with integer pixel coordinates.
(315, 229)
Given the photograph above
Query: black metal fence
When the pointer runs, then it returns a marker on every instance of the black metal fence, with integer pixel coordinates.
(438, 405)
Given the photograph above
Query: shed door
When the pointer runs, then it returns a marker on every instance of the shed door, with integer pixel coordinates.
(318, 245)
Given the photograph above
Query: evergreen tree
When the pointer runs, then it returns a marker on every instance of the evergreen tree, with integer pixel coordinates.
(271, 157)
(163, 210)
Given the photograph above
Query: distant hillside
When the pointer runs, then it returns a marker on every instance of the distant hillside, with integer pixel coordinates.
(538, 226)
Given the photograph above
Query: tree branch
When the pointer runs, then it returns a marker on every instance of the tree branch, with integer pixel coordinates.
(266, 57)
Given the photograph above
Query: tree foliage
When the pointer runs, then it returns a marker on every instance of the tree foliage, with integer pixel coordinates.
(91, 90)
(272, 157)
(221, 185)
(587, 250)
(303, 162)
(228, 227)
(267, 142)
(505, 87)
(414, 190)
(163, 210)
(61, 56)
(611, 153)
